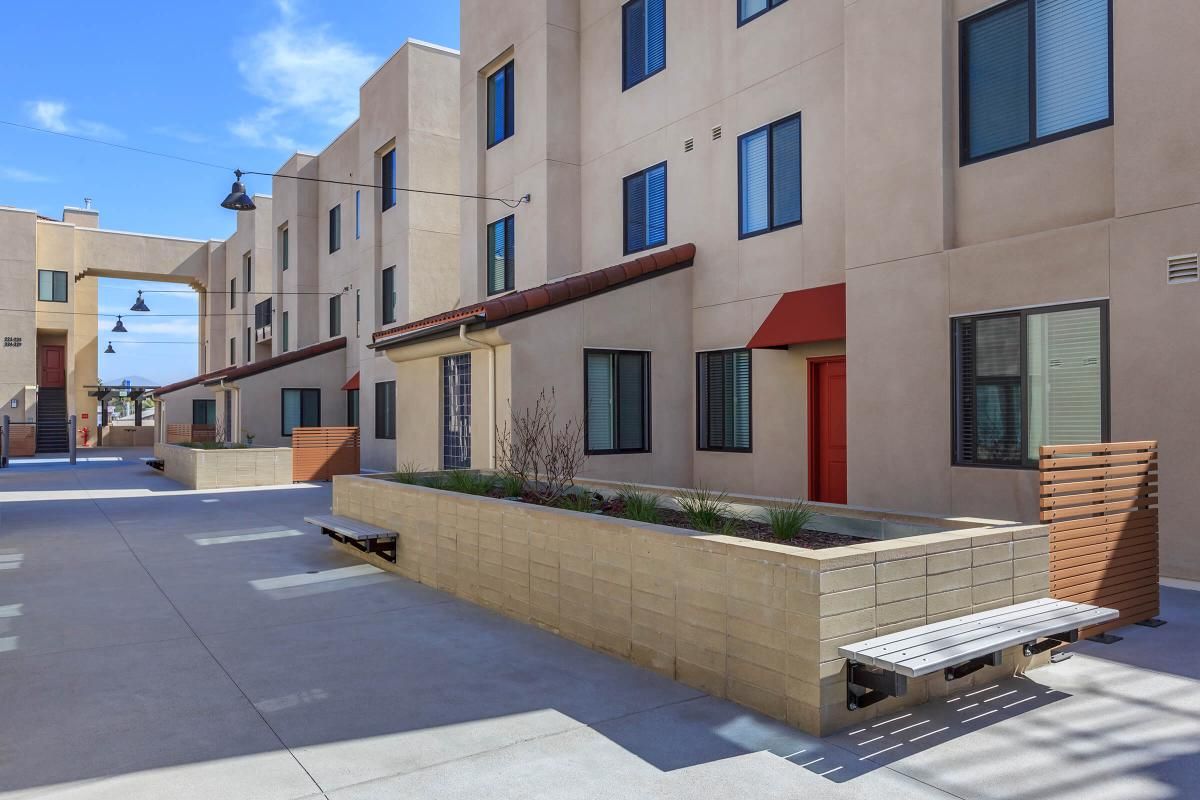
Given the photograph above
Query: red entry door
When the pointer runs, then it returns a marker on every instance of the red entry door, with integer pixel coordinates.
(827, 429)
(54, 367)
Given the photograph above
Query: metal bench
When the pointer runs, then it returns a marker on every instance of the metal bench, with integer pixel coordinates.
(880, 667)
(153, 463)
(359, 535)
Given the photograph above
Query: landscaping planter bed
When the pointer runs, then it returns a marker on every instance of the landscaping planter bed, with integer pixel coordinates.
(756, 622)
(211, 467)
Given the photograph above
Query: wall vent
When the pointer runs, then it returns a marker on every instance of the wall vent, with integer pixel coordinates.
(1183, 269)
(716, 132)
(688, 144)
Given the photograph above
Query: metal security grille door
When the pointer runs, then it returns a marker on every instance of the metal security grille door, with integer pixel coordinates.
(456, 412)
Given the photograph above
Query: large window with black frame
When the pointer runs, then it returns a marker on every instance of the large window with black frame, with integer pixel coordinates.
(617, 401)
(456, 411)
(1027, 378)
(723, 398)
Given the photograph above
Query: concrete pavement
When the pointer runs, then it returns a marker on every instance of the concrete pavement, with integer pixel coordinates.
(163, 643)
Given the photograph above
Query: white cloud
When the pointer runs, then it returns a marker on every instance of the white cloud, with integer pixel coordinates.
(21, 175)
(306, 77)
(182, 134)
(52, 115)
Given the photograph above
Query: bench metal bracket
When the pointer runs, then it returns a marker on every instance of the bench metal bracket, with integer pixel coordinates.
(385, 549)
(866, 687)
(1053, 640)
(974, 665)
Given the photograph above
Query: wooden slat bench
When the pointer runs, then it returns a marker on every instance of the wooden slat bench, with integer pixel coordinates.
(880, 667)
(360, 535)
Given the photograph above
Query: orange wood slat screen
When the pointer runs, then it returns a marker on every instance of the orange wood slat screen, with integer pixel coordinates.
(22, 439)
(320, 453)
(179, 433)
(1101, 501)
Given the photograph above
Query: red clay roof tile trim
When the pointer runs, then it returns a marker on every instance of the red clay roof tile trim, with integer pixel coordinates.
(549, 295)
(192, 381)
(281, 360)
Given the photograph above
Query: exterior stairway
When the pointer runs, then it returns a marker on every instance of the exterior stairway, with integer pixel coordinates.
(52, 430)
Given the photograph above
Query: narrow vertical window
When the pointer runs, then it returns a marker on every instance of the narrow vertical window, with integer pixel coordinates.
(232, 350)
(456, 411)
(335, 228)
(352, 408)
(388, 170)
(357, 213)
(643, 40)
(249, 345)
(617, 401)
(646, 209)
(285, 332)
(769, 179)
(385, 410)
(233, 292)
(723, 395)
(387, 295)
(500, 105)
(500, 263)
(283, 248)
(335, 315)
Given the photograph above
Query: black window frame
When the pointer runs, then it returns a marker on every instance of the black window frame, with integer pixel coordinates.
(627, 84)
(509, 70)
(965, 159)
(666, 208)
(285, 332)
(352, 408)
(335, 228)
(248, 272)
(389, 197)
(198, 403)
(304, 391)
(335, 316)
(233, 292)
(232, 350)
(249, 345)
(387, 296)
(389, 422)
(283, 247)
(771, 6)
(57, 276)
(510, 242)
(647, 436)
(770, 129)
(700, 408)
(1022, 314)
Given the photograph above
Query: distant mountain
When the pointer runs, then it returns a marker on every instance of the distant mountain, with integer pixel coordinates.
(134, 380)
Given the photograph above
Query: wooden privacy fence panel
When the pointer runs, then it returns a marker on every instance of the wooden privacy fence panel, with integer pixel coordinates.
(179, 433)
(22, 439)
(1101, 501)
(320, 453)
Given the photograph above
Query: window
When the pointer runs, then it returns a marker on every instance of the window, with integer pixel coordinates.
(769, 177)
(204, 412)
(233, 292)
(388, 295)
(616, 385)
(643, 40)
(300, 408)
(52, 286)
(249, 345)
(500, 264)
(456, 411)
(646, 209)
(385, 410)
(335, 228)
(1032, 71)
(232, 351)
(500, 105)
(283, 249)
(723, 400)
(335, 315)
(285, 331)
(753, 9)
(352, 408)
(247, 273)
(1028, 378)
(357, 213)
(388, 170)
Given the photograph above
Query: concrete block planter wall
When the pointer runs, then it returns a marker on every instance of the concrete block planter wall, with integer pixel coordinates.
(225, 468)
(757, 623)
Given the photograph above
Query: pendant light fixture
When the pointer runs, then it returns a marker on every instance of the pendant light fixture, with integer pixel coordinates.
(237, 199)
(109, 349)
(140, 305)
(120, 326)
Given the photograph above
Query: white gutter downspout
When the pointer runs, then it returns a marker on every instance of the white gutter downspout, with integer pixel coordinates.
(462, 334)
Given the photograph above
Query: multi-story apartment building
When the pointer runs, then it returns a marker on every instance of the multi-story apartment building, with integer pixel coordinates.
(871, 252)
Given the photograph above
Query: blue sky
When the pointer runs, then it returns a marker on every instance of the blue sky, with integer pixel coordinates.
(238, 84)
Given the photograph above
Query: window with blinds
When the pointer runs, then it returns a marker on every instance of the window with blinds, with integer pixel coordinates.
(1028, 378)
(385, 410)
(501, 267)
(456, 411)
(753, 9)
(301, 408)
(643, 40)
(335, 228)
(387, 295)
(335, 315)
(769, 177)
(723, 392)
(646, 209)
(204, 412)
(500, 105)
(387, 168)
(1034, 71)
(617, 401)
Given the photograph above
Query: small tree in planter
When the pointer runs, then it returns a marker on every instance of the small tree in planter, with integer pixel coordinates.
(539, 452)
(249, 439)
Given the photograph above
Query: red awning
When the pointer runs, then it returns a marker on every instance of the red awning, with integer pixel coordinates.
(809, 315)
(352, 384)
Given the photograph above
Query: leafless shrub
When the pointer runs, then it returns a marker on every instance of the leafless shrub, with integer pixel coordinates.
(539, 452)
